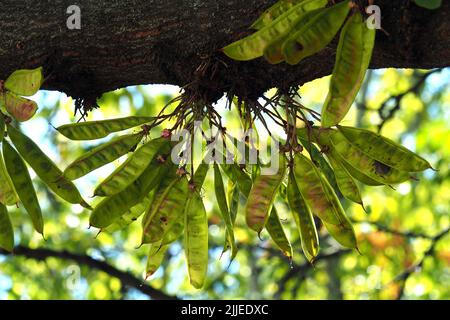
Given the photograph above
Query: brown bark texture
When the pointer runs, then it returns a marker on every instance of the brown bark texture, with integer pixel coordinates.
(131, 42)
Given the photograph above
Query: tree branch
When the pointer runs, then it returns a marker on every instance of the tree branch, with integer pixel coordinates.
(126, 278)
(404, 276)
(130, 42)
(387, 112)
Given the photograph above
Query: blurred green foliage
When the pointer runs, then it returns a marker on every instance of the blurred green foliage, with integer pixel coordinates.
(394, 235)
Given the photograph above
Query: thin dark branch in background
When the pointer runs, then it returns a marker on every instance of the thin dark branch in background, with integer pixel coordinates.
(386, 113)
(126, 278)
(404, 276)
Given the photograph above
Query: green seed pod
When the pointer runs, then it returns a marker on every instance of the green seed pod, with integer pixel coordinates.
(353, 57)
(346, 184)
(343, 233)
(196, 239)
(239, 177)
(25, 82)
(20, 177)
(303, 219)
(274, 51)
(273, 13)
(167, 208)
(311, 185)
(111, 208)
(372, 168)
(254, 45)
(155, 258)
(19, 108)
(355, 173)
(44, 167)
(316, 34)
(6, 230)
(131, 169)
(277, 233)
(101, 155)
(132, 214)
(8, 195)
(92, 130)
(262, 196)
(318, 159)
(223, 206)
(385, 150)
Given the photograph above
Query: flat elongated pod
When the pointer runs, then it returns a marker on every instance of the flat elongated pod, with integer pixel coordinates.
(195, 185)
(45, 168)
(234, 198)
(355, 173)
(318, 135)
(25, 82)
(20, 177)
(6, 230)
(111, 208)
(385, 150)
(303, 219)
(262, 196)
(200, 176)
(277, 233)
(224, 210)
(239, 177)
(196, 240)
(311, 185)
(322, 136)
(319, 160)
(343, 232)
(353, 57)
(155, 258)
(346, 184)
(166, 209)
(254, 45)
(131, 169)
(102, 155)
(274, 51)
(8, 195)
(131, 214)
(92, 130)
(174, 232)
(19, 108)
(316, 34)
(274, 12)
(372, 168)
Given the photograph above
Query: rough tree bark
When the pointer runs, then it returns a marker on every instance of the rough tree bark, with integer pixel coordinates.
(129, 42)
